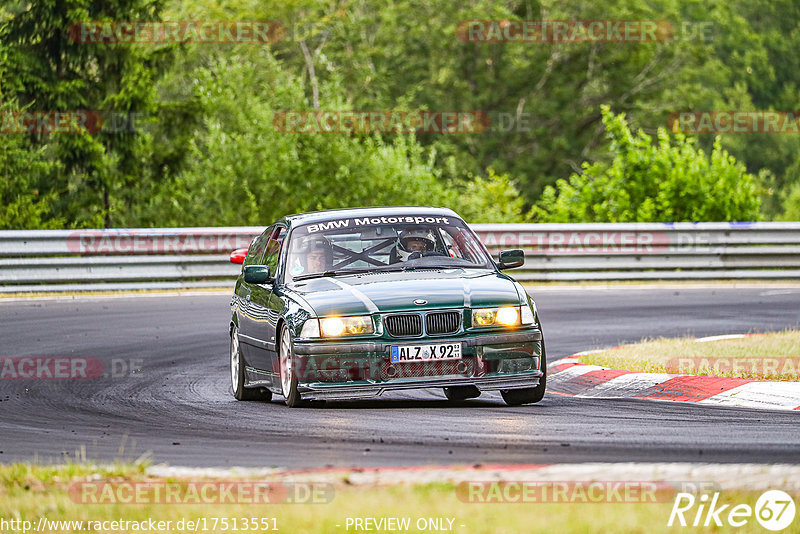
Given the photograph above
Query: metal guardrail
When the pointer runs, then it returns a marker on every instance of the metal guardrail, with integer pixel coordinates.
(650, 251)
(54, 260)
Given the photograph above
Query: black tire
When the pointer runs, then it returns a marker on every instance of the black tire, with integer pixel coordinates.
(459, 393)
(238, 377)
(286, 365)
(515, 397)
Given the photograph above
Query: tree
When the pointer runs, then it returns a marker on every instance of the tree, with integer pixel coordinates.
(669, 181)
(243, 169)
(22, 205)
(543, 97)
(21, 162)
(99, 174)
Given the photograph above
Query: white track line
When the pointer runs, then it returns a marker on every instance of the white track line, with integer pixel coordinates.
(719, 338)
(767, 395)
(574, 371)
(627, 385)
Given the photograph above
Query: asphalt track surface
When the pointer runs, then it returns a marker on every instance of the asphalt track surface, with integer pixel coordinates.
(179, 408)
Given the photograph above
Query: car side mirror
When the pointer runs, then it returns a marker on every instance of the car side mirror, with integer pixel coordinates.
(511, 258)
(256, 274)
(238, 256)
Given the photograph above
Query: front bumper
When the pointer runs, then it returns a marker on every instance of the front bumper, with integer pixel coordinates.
(348, 370)
(337, 347)
(374, 389)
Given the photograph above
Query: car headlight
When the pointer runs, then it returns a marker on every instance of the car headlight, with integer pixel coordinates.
(528, 316)
(346, 326)
(310, 329)
(505, 316)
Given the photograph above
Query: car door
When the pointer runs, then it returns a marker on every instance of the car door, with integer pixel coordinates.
(251, 314)
(274, 303)
(264, 308)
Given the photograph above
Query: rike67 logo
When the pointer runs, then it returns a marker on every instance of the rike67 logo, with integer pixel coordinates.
(774, 510)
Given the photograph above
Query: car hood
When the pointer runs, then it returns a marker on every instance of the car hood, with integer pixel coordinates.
(397, 291)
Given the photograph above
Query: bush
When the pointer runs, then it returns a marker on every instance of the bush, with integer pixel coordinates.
(671, 180)
(791, 204)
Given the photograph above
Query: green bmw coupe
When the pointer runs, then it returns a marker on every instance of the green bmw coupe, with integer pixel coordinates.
(347, 304)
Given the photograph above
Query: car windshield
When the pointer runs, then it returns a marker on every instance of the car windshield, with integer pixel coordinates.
(348, 245)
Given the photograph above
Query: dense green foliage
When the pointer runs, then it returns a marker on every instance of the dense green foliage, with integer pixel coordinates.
(204, 150)
(243, 171)
(86, 179)
(667, 181)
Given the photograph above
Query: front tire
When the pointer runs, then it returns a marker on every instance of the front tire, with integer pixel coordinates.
(238, 378)
(287, 370)
(515, 397)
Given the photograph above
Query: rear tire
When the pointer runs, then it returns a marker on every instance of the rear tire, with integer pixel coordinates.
(515, 397)
(287, 370)
(460, 393)
(238, 377)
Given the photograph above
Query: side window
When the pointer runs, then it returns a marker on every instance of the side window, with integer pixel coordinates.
(258, 247)
(465, 247)
(273, 250)
(450, 245)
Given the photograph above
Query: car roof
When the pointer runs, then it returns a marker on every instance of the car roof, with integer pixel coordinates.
(384, 211)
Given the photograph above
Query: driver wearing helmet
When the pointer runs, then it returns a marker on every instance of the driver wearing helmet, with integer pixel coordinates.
(414, 242)
(315, 255)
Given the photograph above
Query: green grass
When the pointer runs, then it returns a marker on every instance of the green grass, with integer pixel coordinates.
(773, 356)
(29, 492)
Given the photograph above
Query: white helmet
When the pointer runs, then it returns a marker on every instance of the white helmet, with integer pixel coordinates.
(426, 236)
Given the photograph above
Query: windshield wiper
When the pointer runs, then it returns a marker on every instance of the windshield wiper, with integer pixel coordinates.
(398, 267)
(335, 272)
(419, 267)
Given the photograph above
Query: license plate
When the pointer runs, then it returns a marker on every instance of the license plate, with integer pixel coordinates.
(415, 353)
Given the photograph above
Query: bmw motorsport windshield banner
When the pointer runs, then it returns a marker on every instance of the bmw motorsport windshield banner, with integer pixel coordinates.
(359, 222)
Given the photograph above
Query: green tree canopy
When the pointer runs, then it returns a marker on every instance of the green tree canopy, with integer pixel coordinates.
(204, 142)
(671, 180)
(243, 170)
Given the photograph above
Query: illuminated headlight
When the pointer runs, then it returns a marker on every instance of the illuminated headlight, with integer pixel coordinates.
(346, 326)
(505, 316)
